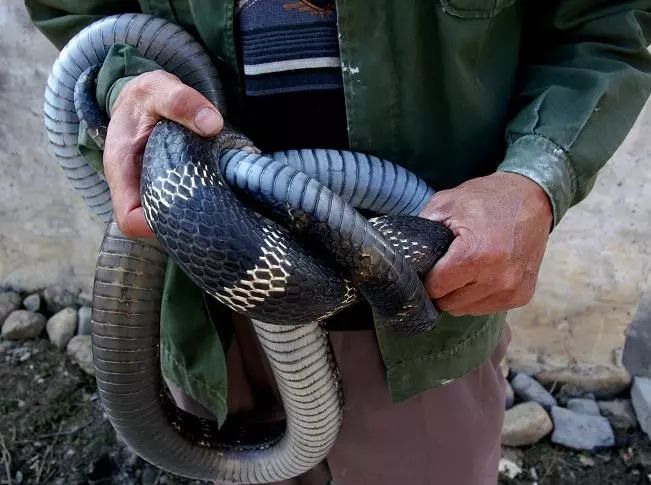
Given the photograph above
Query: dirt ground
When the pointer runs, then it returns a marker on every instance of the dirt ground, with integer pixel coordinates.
(52, 430)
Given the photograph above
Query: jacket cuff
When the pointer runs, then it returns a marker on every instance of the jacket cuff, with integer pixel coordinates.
(540, 160)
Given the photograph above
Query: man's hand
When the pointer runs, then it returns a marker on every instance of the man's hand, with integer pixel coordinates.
(501, 223)
(141, 104)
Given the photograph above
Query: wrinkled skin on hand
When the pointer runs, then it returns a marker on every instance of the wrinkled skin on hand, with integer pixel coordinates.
(143, 102)
(501, 224)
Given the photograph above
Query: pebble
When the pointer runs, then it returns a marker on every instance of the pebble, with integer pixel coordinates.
(23, 324)
(32, 302)
(528, 389)
(9, 302)
(619, 412)
(603, 380)
(57, 298)
(79, 349)
(641, 399)
(509, 469)
(567, 392)
(583, 406)
(510, 396)
(525, 424)
(581, 431)
(84, 314)
(62, 326)
(586, 461)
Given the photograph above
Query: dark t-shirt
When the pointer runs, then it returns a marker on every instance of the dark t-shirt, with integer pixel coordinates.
(293, 88)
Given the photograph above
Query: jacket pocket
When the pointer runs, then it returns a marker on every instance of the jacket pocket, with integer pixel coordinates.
(475, 9)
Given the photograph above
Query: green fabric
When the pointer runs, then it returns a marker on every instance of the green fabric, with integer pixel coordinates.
(191, 354)
(452, 89)
(123, 63)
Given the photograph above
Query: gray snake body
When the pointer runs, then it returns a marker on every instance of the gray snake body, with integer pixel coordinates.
(258, 265)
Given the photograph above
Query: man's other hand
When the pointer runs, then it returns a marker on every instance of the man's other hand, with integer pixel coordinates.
(501, 223)
(142, 103)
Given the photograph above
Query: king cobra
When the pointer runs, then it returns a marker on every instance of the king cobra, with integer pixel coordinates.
(275, 237)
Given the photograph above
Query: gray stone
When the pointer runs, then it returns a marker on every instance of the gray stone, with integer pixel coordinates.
(583, 406)
(637, 346)
(641, 399)
(9, 301)
(528, 389)
(525, 424)
(603, 380)
(57, 298)
(84, 314)
(619, 412)
(23, 324)
(80, 351)
(510, 396)
(62, 326)
(522, 361)
(569, 391)
(32, 302)
(581, 431)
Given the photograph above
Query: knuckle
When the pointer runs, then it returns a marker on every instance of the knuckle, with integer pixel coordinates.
(176, 100)
(512, 280)
(148, 81)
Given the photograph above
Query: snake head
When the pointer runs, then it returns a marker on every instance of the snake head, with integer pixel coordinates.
(232, 139)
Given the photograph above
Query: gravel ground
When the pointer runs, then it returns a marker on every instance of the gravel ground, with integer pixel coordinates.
(52, 430)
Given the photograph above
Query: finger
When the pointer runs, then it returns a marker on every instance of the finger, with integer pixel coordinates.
(465, 296)
(453, 271)
(498, 302)
(122, 167)
(170, 98)
(135, 225)
(124, 180)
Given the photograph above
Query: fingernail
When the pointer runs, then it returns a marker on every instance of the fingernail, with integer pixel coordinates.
(208, 121)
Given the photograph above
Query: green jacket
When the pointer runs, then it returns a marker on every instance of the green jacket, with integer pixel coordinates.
(452, 89)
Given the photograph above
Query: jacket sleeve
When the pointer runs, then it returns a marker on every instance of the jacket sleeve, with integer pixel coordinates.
(586, 76)
(60, 20)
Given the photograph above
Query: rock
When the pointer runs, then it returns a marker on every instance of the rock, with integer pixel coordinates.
(510, 396)
(525, 424)
(23, 324)
(581, 431)
(583, 406)
(528, 389)
(62, 326)
(569, 391)
(604, 381)
(509, 469)
(637, 347)
(619, 412)
(83, 327)
(9, 301)
(79, 349)
(32, 302)
(85, 299)
(586, 461)
(521, 361)
(57, 298)
(641, 399)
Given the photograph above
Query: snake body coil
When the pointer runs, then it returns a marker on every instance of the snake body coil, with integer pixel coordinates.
(259, 266)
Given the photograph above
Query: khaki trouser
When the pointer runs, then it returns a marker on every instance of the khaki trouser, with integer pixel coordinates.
(446, 436)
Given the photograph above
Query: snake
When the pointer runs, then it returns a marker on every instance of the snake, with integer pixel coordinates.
(278, 237)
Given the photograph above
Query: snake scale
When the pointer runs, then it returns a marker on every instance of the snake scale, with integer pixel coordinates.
(276, 237)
